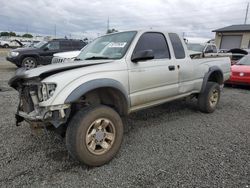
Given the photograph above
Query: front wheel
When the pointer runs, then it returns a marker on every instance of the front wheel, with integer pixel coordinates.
(208, 100)
(29, 63)
(94, 135)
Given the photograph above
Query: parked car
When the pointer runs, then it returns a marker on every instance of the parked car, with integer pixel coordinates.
(237, 54)
(240, 72)
(115, 75)
(65, 56)
(42, 52)
(201, 50)
(10, 44)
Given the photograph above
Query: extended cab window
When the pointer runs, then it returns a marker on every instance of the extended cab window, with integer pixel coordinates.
(155, 42)
(179, 51)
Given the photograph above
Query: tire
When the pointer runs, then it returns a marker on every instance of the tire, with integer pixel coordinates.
(209, 99)
(6, 46)
(94, 151)
(29, 63)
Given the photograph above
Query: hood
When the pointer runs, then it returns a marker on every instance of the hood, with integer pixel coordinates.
(71, 54)
(24, 49)
(45, 71)
(241, 68)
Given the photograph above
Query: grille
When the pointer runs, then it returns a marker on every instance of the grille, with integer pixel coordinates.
(58, 60)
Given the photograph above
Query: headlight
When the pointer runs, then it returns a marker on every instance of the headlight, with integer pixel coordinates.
(14, 54)
(46, 91)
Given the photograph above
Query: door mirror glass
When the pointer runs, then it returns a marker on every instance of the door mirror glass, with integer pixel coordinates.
(142, 55)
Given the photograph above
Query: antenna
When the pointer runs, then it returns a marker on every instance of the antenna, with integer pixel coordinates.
(246, 14)
(108, 25)
(55, 31)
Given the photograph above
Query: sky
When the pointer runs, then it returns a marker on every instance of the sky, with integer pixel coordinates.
(88, 18)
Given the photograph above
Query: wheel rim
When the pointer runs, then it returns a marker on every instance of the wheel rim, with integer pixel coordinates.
(214, 98)
(29, 64)
(100, 136)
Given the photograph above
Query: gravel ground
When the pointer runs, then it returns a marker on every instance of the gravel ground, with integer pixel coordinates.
(172, 145)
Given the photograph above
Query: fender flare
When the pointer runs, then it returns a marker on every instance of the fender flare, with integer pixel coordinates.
(36, 56)
(207, 75)
(95, 84)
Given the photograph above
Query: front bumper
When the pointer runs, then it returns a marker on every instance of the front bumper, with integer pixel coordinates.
(30, 111)
(55, 115)
(14, 60)
(240, 80)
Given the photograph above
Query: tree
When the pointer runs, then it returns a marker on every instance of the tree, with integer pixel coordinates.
(8, 34)
(12, 34)
(4, 33)
(111, 31)
(26, 35)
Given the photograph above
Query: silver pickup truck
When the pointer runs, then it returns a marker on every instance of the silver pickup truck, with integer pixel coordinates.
(115, 75)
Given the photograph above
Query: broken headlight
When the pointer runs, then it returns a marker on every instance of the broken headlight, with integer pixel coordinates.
(46, 91)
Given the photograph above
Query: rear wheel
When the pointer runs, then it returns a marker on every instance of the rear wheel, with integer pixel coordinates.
(29, 63)
(209, 99)
(94, 135)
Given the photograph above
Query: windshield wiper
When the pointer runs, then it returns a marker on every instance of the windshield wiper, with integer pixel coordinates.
(97, 57)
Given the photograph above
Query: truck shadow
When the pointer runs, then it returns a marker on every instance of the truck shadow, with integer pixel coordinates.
(164, 113)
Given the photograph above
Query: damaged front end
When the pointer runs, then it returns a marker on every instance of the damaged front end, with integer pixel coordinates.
(31, 92)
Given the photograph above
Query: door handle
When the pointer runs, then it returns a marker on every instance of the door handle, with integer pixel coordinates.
(171, 67)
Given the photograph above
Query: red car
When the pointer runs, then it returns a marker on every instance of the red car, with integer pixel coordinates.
(240, 72)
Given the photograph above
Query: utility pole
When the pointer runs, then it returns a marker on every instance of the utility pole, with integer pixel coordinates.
(246, 14)
(55, 31)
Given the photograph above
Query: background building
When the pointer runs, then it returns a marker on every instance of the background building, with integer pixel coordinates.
(234, 36)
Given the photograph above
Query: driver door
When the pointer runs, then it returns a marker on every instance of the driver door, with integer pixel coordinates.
(48, 52)
(152, 80)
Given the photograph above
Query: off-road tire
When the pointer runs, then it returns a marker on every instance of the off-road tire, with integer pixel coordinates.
(78, 128)
(205, 97)
(29, 63)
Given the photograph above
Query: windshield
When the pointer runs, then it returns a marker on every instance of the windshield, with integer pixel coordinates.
(244, 61)
(39, 44)
(195, 47)
(112, 46)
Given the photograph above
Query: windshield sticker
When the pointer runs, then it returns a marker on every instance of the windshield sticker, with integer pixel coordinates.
(117, 44)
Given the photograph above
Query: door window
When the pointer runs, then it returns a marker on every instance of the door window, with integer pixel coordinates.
(214, 49)
(54, 45)
(155, 42)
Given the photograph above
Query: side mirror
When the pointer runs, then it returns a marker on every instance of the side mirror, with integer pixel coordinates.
(142, 55)
(46, 49)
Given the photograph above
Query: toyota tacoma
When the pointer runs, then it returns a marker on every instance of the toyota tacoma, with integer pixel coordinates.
(115, 75)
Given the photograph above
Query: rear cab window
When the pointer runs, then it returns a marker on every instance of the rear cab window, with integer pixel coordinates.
(178, 48)
(153, 41)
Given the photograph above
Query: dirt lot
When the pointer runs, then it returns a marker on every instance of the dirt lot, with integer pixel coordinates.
(172, 145)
